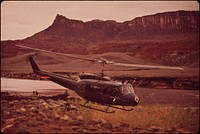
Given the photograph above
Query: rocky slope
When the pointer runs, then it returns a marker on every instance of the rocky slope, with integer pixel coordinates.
(170, 37)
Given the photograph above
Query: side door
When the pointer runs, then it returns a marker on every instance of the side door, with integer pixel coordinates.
(91, 92)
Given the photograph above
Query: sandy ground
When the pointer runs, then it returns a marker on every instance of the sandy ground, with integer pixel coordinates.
(168, 97)
(55, 63)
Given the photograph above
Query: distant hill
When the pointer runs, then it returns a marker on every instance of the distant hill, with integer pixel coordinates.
(56, 63)
(171, 38)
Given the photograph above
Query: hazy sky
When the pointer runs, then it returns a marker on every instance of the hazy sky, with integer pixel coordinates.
(23, 19)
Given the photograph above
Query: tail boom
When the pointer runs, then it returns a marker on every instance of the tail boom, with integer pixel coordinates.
(59, 79)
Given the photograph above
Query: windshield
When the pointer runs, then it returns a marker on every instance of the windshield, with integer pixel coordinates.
(127, 89)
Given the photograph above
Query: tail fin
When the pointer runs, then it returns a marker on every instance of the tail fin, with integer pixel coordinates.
(34, 65)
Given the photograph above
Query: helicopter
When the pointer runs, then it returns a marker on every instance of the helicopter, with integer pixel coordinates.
(96, 87)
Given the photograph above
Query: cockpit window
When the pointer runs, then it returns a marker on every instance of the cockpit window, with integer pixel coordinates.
(127, 89)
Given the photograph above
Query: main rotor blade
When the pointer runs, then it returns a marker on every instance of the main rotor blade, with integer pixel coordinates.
(104, 61)
(46, 51)
(146, 66)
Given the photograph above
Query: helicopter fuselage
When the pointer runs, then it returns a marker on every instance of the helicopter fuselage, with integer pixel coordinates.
(101, 91)
(107, 92)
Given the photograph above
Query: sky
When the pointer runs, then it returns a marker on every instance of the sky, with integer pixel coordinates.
(21, 19)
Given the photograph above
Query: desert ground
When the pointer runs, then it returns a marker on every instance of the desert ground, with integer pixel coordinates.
(161, 109)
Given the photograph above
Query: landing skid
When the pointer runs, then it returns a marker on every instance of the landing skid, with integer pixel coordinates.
(105, 111)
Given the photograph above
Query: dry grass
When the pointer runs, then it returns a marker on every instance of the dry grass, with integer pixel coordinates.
(148, 116)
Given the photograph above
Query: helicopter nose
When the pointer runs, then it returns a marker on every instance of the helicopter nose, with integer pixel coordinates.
(132, 99)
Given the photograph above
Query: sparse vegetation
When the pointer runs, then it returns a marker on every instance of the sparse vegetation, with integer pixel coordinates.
(40, 115)
(148, 116)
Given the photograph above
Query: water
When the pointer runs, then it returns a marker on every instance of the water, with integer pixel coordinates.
(21, 85)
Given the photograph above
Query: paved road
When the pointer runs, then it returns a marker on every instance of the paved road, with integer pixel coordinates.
(148, 96)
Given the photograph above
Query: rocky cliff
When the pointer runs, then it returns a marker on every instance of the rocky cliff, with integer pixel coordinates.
(165, 23)
(97, 30)
(174, 34)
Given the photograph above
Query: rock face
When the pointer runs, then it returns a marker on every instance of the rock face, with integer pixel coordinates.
(174, 34)
(97, 30)
(163, 23)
